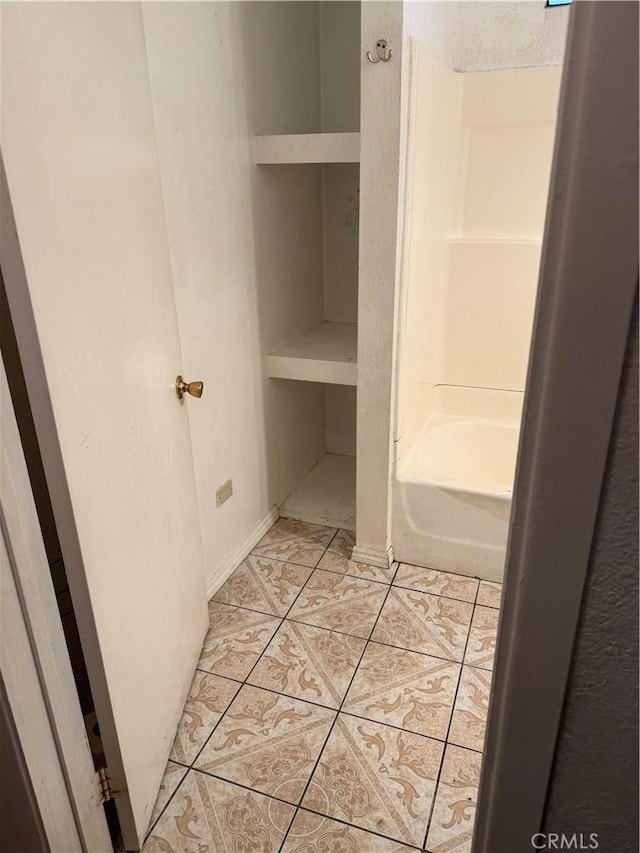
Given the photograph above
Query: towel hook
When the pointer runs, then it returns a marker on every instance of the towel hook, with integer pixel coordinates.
(383, 52)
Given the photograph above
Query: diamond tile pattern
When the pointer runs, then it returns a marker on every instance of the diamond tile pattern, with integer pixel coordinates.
(268, 742)
(309, 663)
(295, 542)
(424, 623)
(208, 699)
(339, 602)
(405, 689)
(235, 640)
(312, 833)
(265, 585)
(454, 813)
(470, 711)
(482, 637)
(336, 707)
(437, 583)
(377, 778)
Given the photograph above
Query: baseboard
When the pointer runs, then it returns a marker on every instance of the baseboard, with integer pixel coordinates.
(382, 559)
(216, 579)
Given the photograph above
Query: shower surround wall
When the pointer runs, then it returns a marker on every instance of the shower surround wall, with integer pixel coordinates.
(479, 157)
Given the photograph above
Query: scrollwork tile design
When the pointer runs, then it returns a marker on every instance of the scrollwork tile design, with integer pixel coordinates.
(489, 594)
(173, 775)
(235, 640)
(265, 585)
(424, 623)
(340, 603)
(405, 689)
(312, 833)
(208, 699)
(376, 777)
(482, 637)
(309, 663)
(470, 712)
(268, 742)
(454, 812)
(365, 764)
(295, 542)
(208, 815)
(437, 583)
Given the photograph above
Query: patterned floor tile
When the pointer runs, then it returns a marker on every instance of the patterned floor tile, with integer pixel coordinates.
(207, 701)
(337, 558)
(266, 585)
(339, 603)
(437, 583)
(268, 742)
(309, 663)
(470, 712)
(451, 828)
(376, 777)
(489, 594)
(210, 814)
(424, 623)
(312, 833)
(235, 640)
(173, 775)
(295, 542)
(482, 637)
(405, 689)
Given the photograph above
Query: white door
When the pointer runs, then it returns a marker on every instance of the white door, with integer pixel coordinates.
(95, 319)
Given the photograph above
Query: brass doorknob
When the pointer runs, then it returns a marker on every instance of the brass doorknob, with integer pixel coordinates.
(193, 388)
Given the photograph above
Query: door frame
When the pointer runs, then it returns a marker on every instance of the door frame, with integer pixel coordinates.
(588, 284)
(36, 668)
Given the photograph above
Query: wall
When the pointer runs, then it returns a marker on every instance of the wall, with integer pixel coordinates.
(380, 215)
(340, 105)
(246, 249)
(481, 36)
(594, 780)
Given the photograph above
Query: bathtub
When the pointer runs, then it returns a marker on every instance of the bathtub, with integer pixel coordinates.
(452, 494)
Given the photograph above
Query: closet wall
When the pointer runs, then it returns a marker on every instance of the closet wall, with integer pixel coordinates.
(254, 267)
(340, 85)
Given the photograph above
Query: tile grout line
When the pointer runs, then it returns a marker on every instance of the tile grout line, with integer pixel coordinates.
(322, 749)
(242, 684)
(367, 640)
(283, 618)
(446, 742)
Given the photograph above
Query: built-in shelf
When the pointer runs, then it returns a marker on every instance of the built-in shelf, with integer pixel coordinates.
(308, 148)
(327, 353)
(327, 495)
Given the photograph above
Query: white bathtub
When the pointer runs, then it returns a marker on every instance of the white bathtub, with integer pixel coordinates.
(452, 495)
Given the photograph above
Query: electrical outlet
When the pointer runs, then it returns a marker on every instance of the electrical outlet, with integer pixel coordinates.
(224, 492)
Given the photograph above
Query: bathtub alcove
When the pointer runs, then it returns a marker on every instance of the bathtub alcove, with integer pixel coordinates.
(479, 157)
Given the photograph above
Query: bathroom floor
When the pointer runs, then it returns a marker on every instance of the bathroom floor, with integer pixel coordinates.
(336, 706)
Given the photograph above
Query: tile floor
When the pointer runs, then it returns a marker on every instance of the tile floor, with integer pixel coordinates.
(336, 707)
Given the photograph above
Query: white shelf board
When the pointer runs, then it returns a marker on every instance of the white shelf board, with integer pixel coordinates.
(327, 353)
(327, 495)
(308, 148)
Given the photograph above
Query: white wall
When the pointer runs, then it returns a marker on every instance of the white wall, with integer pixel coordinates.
(477, 35)
(245, 243)
(381, 147)
(340, 104)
